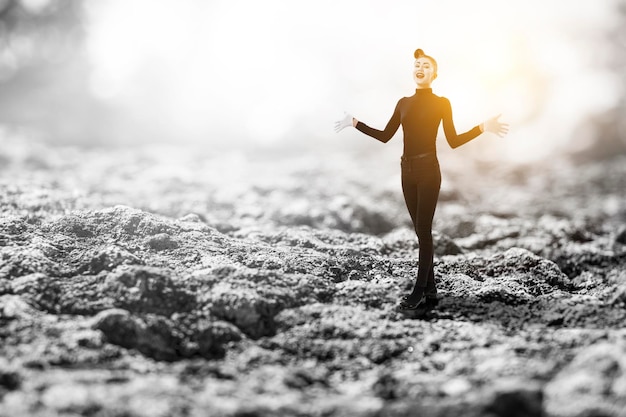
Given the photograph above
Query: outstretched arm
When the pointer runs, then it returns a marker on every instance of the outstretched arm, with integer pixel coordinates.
(491, 125)
(381, 135)
(455, 140)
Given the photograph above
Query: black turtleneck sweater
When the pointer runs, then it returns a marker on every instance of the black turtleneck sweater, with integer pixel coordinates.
(420, 116)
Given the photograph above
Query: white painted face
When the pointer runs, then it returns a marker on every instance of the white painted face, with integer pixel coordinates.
(424, 72)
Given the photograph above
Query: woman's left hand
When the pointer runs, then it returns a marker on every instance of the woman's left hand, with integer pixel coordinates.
(493, 125)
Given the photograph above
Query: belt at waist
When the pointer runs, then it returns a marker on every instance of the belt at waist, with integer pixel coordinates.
(418, 156)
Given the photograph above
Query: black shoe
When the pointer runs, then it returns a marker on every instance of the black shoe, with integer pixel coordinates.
(428, 296)
(404, 305)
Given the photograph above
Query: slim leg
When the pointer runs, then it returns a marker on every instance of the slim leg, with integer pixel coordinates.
(421, 197)
(431, 286)
(427, 203)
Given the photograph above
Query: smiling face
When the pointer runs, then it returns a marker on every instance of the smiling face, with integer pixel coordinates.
(424, 72)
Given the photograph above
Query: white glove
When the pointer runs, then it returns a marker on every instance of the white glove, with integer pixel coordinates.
(343, 123)
(493, 125)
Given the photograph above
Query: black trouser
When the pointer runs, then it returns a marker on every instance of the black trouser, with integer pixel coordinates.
(421, 181)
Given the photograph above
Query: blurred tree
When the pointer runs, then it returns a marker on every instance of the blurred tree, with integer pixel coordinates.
(44, 72)
(38, 32)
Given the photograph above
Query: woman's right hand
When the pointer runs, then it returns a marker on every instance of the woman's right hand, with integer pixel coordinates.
(347, 121)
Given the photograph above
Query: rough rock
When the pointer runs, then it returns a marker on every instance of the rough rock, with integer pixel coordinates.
(251, 311)
(513, 398)
(109, 258)
(444, 245)
(515, 268)
(278, 295)
(593, 383)
(42, 290)
(153, 336)
(161, 241)
(14, 306)
(213, 336)
(10, 377)
(20, 261)
(147, 290)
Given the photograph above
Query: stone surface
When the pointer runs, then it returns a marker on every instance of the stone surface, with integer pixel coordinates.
(183, 283)
(593, 383)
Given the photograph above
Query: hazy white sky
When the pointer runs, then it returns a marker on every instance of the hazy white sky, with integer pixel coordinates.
(276, 69)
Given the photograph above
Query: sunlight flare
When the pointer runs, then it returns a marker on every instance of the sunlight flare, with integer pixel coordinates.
(259, 72)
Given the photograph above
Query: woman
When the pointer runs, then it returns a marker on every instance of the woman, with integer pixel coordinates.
(420, 116)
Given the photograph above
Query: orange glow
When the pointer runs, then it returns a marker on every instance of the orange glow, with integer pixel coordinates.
(269, 70)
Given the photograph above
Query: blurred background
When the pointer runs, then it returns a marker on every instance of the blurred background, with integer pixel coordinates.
(247, 74)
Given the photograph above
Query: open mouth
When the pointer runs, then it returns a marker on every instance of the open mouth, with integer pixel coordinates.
(419, 75)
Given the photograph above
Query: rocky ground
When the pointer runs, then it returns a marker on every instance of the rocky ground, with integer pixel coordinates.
(169, 281)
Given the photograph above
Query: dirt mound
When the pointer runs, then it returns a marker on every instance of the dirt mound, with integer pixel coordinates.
(245, 301)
